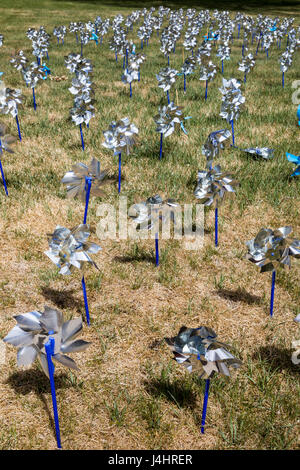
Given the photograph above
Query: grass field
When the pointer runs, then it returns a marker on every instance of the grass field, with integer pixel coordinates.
(129, 393)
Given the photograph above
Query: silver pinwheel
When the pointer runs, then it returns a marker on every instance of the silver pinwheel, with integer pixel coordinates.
(272, 249)
(199, 351)
(46, 336)
(246, 65)
(167, 120)
(166, 78)
(148, 214)
(10, 100)
(70, 250)
(215, 142)
(120, 135)
(263, 152)
(85, 181)
(211, 188)
(5, 141)
(232, 101)
(208, 72)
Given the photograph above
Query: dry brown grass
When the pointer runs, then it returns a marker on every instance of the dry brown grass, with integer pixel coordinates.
(133, 304)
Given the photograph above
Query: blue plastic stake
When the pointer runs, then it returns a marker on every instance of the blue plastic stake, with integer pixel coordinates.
(207, 382)
(34, 103)
(168, 60)
(49, 346)
(139, 76)
(120, 171)
(232, 128)
(184, 83)
(116, 57)
(161, 144)
(168, 96)
(81, 48)
(130, 95)
(82, 141)
(216, 226)
(272, 292)
(282, 79)
(87, 313)
(142, 44)
(222, 67)
(18, 125)
(2, 172)
(3, 178)
(206, 85)
(245, 77)
(88, 183)
(156, 250)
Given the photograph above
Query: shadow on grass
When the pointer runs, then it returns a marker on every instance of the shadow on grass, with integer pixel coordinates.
(138, 257)
(178, 392)
(62, 299)
(239, 295)
(278, 358)
(33, 380)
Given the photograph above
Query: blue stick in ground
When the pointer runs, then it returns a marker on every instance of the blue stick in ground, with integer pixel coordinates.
(142, 44)
(216, 226)
(239, 28)
(206, 85)
(34, 103)
(267, 51)
(81, 134)
(156, 250)
(204, 410)
(232, 131)
(86, 305)
(81, 48)
(130, 95)
(168, 60)
(282, 79)
(243, 47)
(258, 45)
(168, 96)
(49, 346)
(18, 125)
(139, 76)
(88, 183)
(2, 172)
(120, 172)
(76, 37)
(184, 82)
(161, 144)
(245, 77)
(47, 55)
(272, 292)
(222, 67)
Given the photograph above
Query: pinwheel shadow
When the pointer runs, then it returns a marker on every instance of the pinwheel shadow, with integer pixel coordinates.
(138, 257)
(278, 359)
(151, 151)
(63, 299)
(178, 392)
(239, 295)
(33, 380)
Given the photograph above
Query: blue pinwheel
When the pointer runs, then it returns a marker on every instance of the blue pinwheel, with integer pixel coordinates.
(294, 159)
(298, 115)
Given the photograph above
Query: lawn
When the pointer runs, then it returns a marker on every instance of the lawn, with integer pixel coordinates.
(129, 393)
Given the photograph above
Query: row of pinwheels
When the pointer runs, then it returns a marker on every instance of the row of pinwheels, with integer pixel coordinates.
(44, 334)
